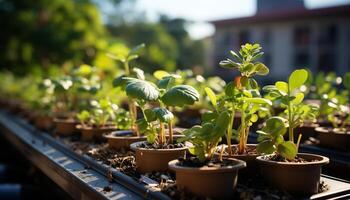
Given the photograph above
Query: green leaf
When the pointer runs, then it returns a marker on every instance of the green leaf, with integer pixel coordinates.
(211, 95)
(159, 74)
(287, 150)
(261, 69)
(180, 95)
(137, 49)
(150, 115)
(221, 124)
(163, 114)
(266, 147)
(141, 90)
(297, 78)
(298, 98)
(282, 87)
(275, 126)
(258, 100)
(166, 82)
(346, 80)
(230, 89)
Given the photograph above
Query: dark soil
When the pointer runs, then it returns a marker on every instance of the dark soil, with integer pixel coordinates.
(190, 161)
(253, 187)
(156, 145)
(279, 158)
(250, 150)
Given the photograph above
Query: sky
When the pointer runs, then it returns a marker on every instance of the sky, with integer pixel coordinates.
(201, 11)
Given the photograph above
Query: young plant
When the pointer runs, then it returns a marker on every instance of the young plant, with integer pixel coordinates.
(167, 95)
(291, 98)
(206, 137)
(243, 94)
(271, 139)
(99, 114)
(125, 60)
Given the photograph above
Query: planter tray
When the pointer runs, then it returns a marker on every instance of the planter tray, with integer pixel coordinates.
(21, 133)
(75, 177)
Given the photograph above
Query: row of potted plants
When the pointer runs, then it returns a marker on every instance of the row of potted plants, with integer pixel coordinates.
(146, 122)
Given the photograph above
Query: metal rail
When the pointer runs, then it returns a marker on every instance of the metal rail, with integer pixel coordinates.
(125, 186)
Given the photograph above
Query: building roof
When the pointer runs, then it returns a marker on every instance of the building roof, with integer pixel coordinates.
(283, 15)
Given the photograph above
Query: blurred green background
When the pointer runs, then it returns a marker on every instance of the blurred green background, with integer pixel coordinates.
(52, 34)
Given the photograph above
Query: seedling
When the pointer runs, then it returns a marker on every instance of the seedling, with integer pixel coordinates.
(167, 95)
(243, 94)
(125, 60)
(206, 137)
(296, 112)
(100, 113)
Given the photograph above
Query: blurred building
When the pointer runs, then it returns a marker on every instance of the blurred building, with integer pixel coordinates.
(291, 36)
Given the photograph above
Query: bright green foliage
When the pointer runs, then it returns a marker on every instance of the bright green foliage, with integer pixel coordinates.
(103, 111)
(245, 62)
(243, 94)
(180, 95)
(142, 90)
(206, 137)
(271, 139)
(291, 98)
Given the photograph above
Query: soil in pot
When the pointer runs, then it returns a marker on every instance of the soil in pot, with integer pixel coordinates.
(89, 133)
(300, 176)
(333, 138)
(153, 157)
(215, 179)
(43, 122)
(65, 126)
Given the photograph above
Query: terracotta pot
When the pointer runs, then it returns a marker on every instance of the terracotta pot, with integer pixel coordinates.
(43, 122)
(122, 139)
(250, 159)
(151, 160)
(296, 178)
(209, 182)
(65, 127)
(94, 133)
(330, 138)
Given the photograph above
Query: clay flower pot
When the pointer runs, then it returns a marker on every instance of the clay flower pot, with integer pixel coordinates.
(249, 158)
(65, 127)
(43, 122)
(330, 137)
(94, 133)
(122, 139)
(151, 160)
(296, 178)
(209, 182)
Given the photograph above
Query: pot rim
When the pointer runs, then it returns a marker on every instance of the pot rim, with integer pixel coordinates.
(58, 120)
(134, 147)
(324, 129)
(323, 160)
(112, 136)
(205, 169)
(81, 127)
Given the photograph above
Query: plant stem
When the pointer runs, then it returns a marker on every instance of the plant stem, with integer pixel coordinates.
(229, 131)
(298, 143)
(171, 134)
(290, 119)
(161, 135)
(242, 133)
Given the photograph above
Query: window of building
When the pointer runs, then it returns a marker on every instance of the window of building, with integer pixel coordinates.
(302, 36)
(243, 37)
(302, 44)
(326, 48)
